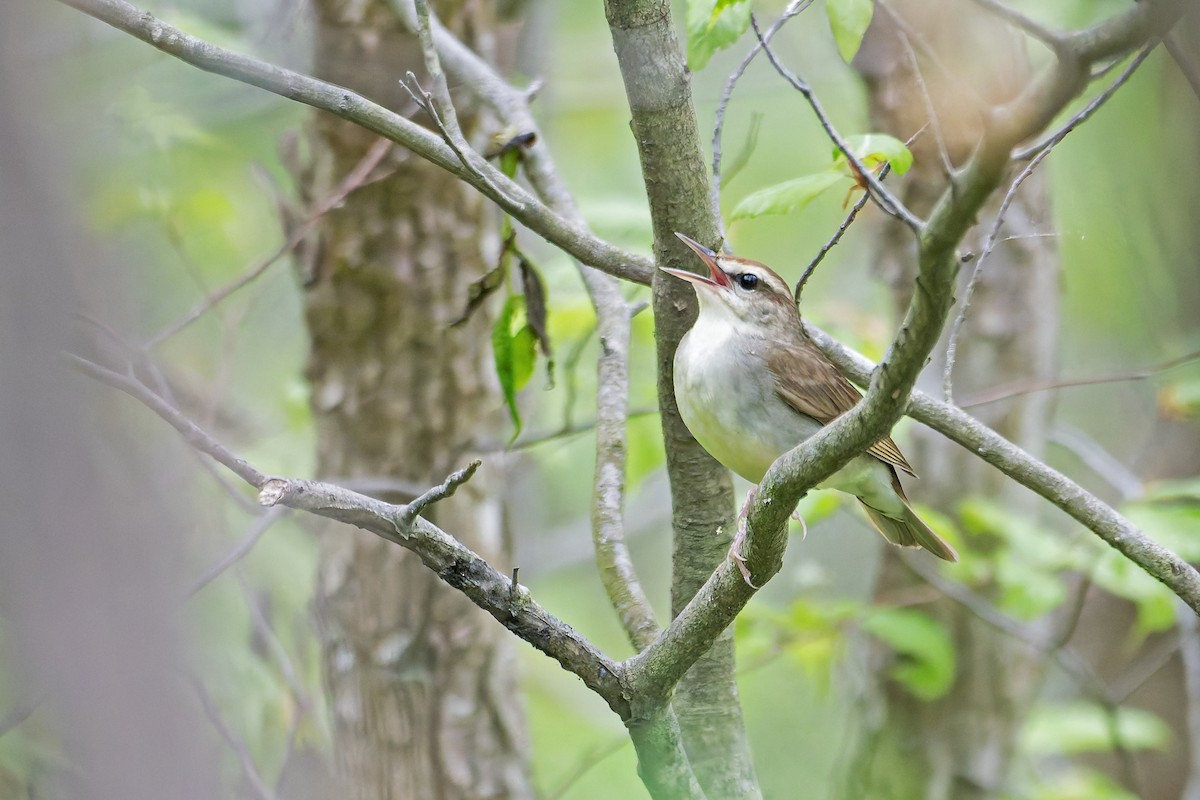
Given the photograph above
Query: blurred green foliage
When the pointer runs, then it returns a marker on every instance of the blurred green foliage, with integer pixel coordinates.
(184, 178)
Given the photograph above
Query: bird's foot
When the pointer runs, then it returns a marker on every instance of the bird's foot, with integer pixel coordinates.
(735, 548)
(803, 525)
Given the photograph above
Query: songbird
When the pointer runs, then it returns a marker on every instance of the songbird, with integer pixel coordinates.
(751, 385)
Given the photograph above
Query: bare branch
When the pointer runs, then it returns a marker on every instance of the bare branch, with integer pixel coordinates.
(1189, 655)
(240, 551)
(837, 237)
(793, 8)
(1051, 38)
(612, 325)
(356, 178)
(977, 273)
(887, 201)
(958, 426)
(445, 489)
(245, 759)
(1087, 111)
(510, 196)
(455, 564)
(1120, 477)
(1006, 391)
(191, 432)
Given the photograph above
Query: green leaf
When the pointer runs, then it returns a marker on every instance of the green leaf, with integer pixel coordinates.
(787, 197)
(926, 662)
(1073, 782)
(1082, 727)
(873, 150)
(848, 19)
(513, 349)
(713, 25)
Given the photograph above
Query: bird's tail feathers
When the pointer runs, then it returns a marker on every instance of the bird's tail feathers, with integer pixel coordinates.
(909, 530)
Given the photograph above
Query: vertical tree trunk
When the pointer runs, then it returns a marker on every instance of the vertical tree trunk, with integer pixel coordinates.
(422, 684)
(960, 746)
(664, 126)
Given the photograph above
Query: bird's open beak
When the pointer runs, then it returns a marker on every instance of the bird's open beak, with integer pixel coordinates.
(716, 277)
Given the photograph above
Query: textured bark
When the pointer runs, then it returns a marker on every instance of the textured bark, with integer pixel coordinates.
(664, 127)
(960, 746)
(422, 684)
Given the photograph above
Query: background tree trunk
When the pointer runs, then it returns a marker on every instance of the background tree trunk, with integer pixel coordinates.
(960, 746)
(422, 684)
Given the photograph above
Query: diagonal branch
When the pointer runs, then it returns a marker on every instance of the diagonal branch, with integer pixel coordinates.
(887, 201)
(455, 564)
(506, 193)
(892, 383)
(960, 427)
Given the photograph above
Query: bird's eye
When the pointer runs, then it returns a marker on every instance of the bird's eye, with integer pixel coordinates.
(748, 281)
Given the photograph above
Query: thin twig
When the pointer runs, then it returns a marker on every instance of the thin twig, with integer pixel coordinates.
(235, 742)
(1039, 154)
(570, 236)
(433, 65)
(191, 432)
(445, 489)
(837, 237)
(1008, 390)
(888, 202)
(440, 552)
(793, 8)
(977, 273)
(359, 176)
(1051, 38)
(926, 100)
(1120, 477)
(585, 765)
(262, 627)
(1189, 656)
(240, 550)
(1088, 110)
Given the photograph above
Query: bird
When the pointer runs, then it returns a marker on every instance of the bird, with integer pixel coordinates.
(750, 385)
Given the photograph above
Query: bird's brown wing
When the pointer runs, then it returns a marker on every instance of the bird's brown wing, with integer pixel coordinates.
(809, 383)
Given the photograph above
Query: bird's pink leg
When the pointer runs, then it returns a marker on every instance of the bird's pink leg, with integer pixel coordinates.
(735, 549)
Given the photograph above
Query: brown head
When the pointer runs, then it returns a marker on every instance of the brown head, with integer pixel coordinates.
(746, 292)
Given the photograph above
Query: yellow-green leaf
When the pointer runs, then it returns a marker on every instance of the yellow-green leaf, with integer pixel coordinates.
(927, 664)
(849, 19)
(873, 150)
(713, 25)
(513, 349)
(787, 197)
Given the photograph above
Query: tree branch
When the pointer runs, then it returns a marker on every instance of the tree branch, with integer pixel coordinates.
(958, 426)
(616, 568)
(456, 565)
(510, 196)
(892, 383)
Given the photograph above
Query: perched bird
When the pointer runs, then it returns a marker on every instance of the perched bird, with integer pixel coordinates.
(751, 385)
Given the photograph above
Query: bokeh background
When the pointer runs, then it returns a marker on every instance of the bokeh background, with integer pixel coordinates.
(134, 185)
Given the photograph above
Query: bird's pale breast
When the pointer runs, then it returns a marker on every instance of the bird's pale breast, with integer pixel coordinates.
(727, 399)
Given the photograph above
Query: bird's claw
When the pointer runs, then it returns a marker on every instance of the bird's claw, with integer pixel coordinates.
(735, 553)
(803, 525)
